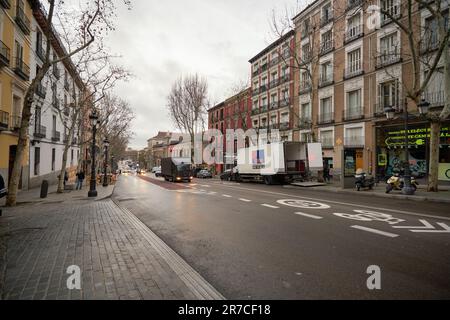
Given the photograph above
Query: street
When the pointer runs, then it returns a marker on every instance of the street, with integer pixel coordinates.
(253, 241)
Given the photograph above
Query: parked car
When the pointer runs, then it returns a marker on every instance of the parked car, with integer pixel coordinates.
(204, 174)
(229, 175)
(196, 170)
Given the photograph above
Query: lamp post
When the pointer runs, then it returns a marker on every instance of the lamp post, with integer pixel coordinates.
(105, 164)
(390, 114)
(92, 190)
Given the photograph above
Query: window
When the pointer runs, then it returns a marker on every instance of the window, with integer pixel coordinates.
(353, 27)
(304, 81)
(305, 112)
(353, 103)
(37, 160)
(326, 138)
(389, 47)
(306, 53)
(37, 118)
(53, 159)
(264, 102)
(284, 117)
(391, 7)
(273, 119)
(305, 28)
(327, 41)
(326, 109)
(388, 95)
(326, 72)
(19, 54)
(54, 123)
(354, 61)
(354, 136)
(327, 13)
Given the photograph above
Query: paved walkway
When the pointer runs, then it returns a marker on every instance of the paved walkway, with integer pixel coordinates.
(119, 257)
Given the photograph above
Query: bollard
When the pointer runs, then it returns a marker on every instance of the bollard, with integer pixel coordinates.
(44, 189)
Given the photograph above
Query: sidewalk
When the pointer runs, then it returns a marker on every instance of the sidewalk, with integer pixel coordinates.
(119, 257)
(379, 190)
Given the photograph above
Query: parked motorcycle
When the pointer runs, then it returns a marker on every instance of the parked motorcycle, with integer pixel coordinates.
(362, 180)
(397, 182)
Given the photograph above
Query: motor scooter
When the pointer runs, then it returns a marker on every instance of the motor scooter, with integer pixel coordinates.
(397, 182)
(362, 180)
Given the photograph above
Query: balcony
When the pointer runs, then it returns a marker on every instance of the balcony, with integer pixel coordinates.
(40, 131)
(15, 123)
(263, 68)
(305, 87)
(393, 11)
(325, 80)
(354, 142)
(287, 54)
(430, 42)
(353, 4)
(304, 123)
(22, 20)
(274, 61)
(326, 18)
(285, 78)
(353, 71)
(284, 125)
(56, 136)
(327, 117)
(21, 69)
(326, 47)
(41, 91)
(436, 98)
(264, 108)
(285, 102)
(263, 88)
(5, 54)
(255, 73)
(387, 59)
(40, 52)
(255, 92)
(4, 120)
(274, 126)
(306, 57)
(354, 33)
(274, 83)
(379, 108)
(5, 4)
(274, 105)
(327, 143)
(353, 113)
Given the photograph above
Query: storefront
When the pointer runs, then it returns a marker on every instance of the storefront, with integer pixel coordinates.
(390, 150)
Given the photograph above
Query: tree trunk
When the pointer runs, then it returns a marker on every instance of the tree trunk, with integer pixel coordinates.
(22, 143)
(435, 136)
(63, 167)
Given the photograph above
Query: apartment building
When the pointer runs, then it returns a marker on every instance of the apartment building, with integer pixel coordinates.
(233, 113)
(356, 71)
(272, 87)
(55, 99)
(15, 48)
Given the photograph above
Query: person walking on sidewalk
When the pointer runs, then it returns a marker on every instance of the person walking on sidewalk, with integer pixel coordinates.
(80, 179)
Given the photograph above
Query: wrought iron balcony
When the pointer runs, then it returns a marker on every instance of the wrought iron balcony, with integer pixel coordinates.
(5, 54)
(284, 125)
(305, 123)
(327, 143)
(353, 71)
(388, 58)
(353, 113)
(56, 136)
(274, 105)
(22, 20)
(274, 62)
(379, 108)
(263, 88)
(393, 11)
(326, 47)
(354, 142)
(327, 117)
(40, 131)
(22, 69)
(325, 79)
(354, 33)
(305, 87)
(4, 120)
(436, 98)
(15, 123)
(285, 102)
(274, 83)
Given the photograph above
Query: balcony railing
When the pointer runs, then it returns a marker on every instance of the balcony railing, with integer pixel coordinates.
(285, 102)
(284, 125)
(305, 86)
(22, 20)
(274, 105)
(22, 69)
(263, 68)
(379, 108)
(327, 117)
(353, 71)
(353, 113)
(274, 83)
(354, 33)
(5, 4)
(255, 91)
(306, 57)
(327, 143)
(354, 141)
(430, 42)
(15, 123)
(325, 79)
(263, 88)
(56, 136)
(326, 47)
(388, 58)
(436, 98)
(264, 108)
(274, 61)
(287, 54)
(4, 120)
(326, 18)
(353, 4)
(41, 91)
(304, 123)
(5, 54)
(255, 72)
(393, 11)
(40, 131)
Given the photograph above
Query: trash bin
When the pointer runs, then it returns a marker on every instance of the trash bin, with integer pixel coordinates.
(44, 189)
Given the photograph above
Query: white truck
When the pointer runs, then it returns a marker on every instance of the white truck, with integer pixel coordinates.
(276, 162)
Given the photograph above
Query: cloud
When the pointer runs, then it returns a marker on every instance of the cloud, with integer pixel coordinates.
(163, 40)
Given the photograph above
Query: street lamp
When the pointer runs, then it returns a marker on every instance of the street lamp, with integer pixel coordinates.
(105, 165)
(390, 114)
(94, 121)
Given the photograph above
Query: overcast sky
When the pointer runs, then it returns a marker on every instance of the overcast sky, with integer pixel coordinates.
(163, 40)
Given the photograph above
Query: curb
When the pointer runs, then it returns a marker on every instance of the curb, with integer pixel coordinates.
(200, 288)
(377, 194)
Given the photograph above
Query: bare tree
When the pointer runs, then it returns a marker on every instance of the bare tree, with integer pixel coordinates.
(428, 48)
(187, 104)
(94, 19)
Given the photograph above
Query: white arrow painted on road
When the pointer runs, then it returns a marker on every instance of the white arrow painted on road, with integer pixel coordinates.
(426, 227)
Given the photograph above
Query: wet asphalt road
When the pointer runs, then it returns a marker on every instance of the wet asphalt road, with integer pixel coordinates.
(253, 241)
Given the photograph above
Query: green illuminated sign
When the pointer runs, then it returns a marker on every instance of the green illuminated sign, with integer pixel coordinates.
(416, 137)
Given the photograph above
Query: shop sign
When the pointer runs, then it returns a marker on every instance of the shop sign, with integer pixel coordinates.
(416, 137)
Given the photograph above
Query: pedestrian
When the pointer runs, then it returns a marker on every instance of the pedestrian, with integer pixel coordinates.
(66, 178)
(80, 178)
(326, 171)
(3, 190)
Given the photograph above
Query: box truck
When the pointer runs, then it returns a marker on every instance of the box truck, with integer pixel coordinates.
(276, 162)
(176, 169)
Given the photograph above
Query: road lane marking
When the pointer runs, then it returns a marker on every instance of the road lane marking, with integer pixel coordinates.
(340, 203)
(386, 234)
(245, 200)
(227, 196)
(308, 215)
(269, 206)
(303, 204)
